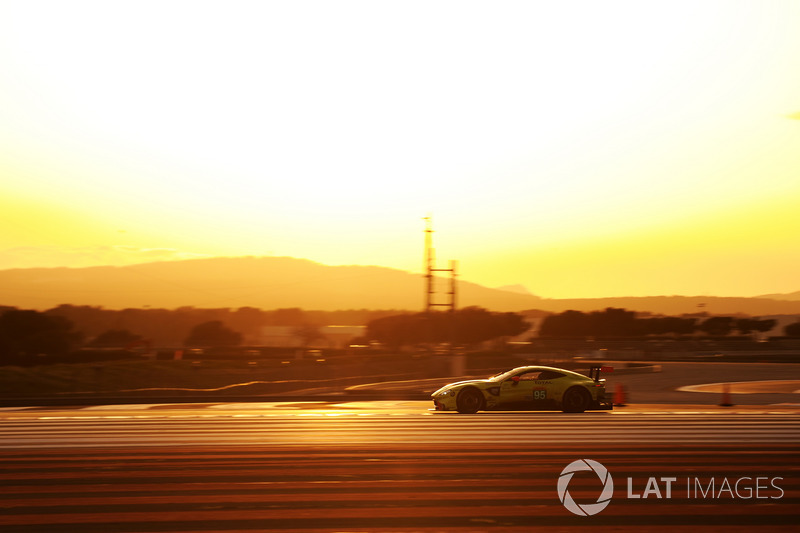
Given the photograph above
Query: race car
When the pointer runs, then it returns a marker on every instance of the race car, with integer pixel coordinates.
(527, 388)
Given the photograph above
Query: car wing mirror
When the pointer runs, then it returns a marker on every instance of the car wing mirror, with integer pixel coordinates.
(515, 379)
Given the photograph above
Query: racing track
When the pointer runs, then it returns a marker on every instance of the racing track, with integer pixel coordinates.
(387, 467)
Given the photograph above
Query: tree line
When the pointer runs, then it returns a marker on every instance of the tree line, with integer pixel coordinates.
(30, 337)
(25, 335)
(171, 327)
(613, 322)
(467, 326)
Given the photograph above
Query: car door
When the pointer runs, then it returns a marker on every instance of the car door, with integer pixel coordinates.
(549, 385)
(518, 392)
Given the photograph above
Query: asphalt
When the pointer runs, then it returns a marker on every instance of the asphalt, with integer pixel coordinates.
(690, 385)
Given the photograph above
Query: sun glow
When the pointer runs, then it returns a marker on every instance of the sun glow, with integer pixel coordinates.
(544, 137)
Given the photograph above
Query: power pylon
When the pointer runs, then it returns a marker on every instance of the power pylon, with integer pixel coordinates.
(430, 262)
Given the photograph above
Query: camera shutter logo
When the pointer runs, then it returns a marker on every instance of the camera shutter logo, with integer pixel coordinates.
(588, 509)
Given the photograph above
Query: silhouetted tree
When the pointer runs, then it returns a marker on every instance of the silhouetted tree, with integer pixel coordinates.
(792, 330)
(292, 316)
(248, 319)
(212, 333)
(308, 333)
(612, 322)
(717, 325)
(763, 326)
(470, 325)
(567, 324)
(24, 334)
(398, 330)
(474, 325)
(748, 325)
(116, 338)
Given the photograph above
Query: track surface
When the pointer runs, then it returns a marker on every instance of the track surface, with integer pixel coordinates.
(391, 467)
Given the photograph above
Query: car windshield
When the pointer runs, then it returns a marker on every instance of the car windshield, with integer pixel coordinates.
(503, 375)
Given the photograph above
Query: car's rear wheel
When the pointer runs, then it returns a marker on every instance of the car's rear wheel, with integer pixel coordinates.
(575, 400)
(469, 401)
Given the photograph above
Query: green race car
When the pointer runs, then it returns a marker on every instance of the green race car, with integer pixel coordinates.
(527, 388)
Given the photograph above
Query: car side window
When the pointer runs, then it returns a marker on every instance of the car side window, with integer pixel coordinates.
(529, 376)
(549, 374)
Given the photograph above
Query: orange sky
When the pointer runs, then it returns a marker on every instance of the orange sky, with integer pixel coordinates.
(582, 149)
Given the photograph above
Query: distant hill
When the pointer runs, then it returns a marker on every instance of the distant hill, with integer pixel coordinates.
(280, 282)
(792, 296)
(263, 282)
(519, 289)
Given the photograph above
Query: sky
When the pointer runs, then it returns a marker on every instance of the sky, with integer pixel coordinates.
(580, 149)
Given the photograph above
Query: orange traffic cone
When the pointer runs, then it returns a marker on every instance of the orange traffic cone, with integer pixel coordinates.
(726, 396)
(619, 396)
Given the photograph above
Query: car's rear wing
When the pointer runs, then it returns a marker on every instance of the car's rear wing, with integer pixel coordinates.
(595, 370)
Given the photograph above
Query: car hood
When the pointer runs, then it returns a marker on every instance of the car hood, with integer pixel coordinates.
(460, 384)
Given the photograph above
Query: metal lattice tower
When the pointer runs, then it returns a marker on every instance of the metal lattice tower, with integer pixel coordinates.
(430, 262)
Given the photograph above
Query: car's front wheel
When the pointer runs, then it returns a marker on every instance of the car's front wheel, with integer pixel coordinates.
(575, 400)
(469, 401)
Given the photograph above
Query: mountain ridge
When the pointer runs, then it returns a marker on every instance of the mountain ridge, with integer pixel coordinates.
(281, 282)
(791, 296)
(265, 282)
